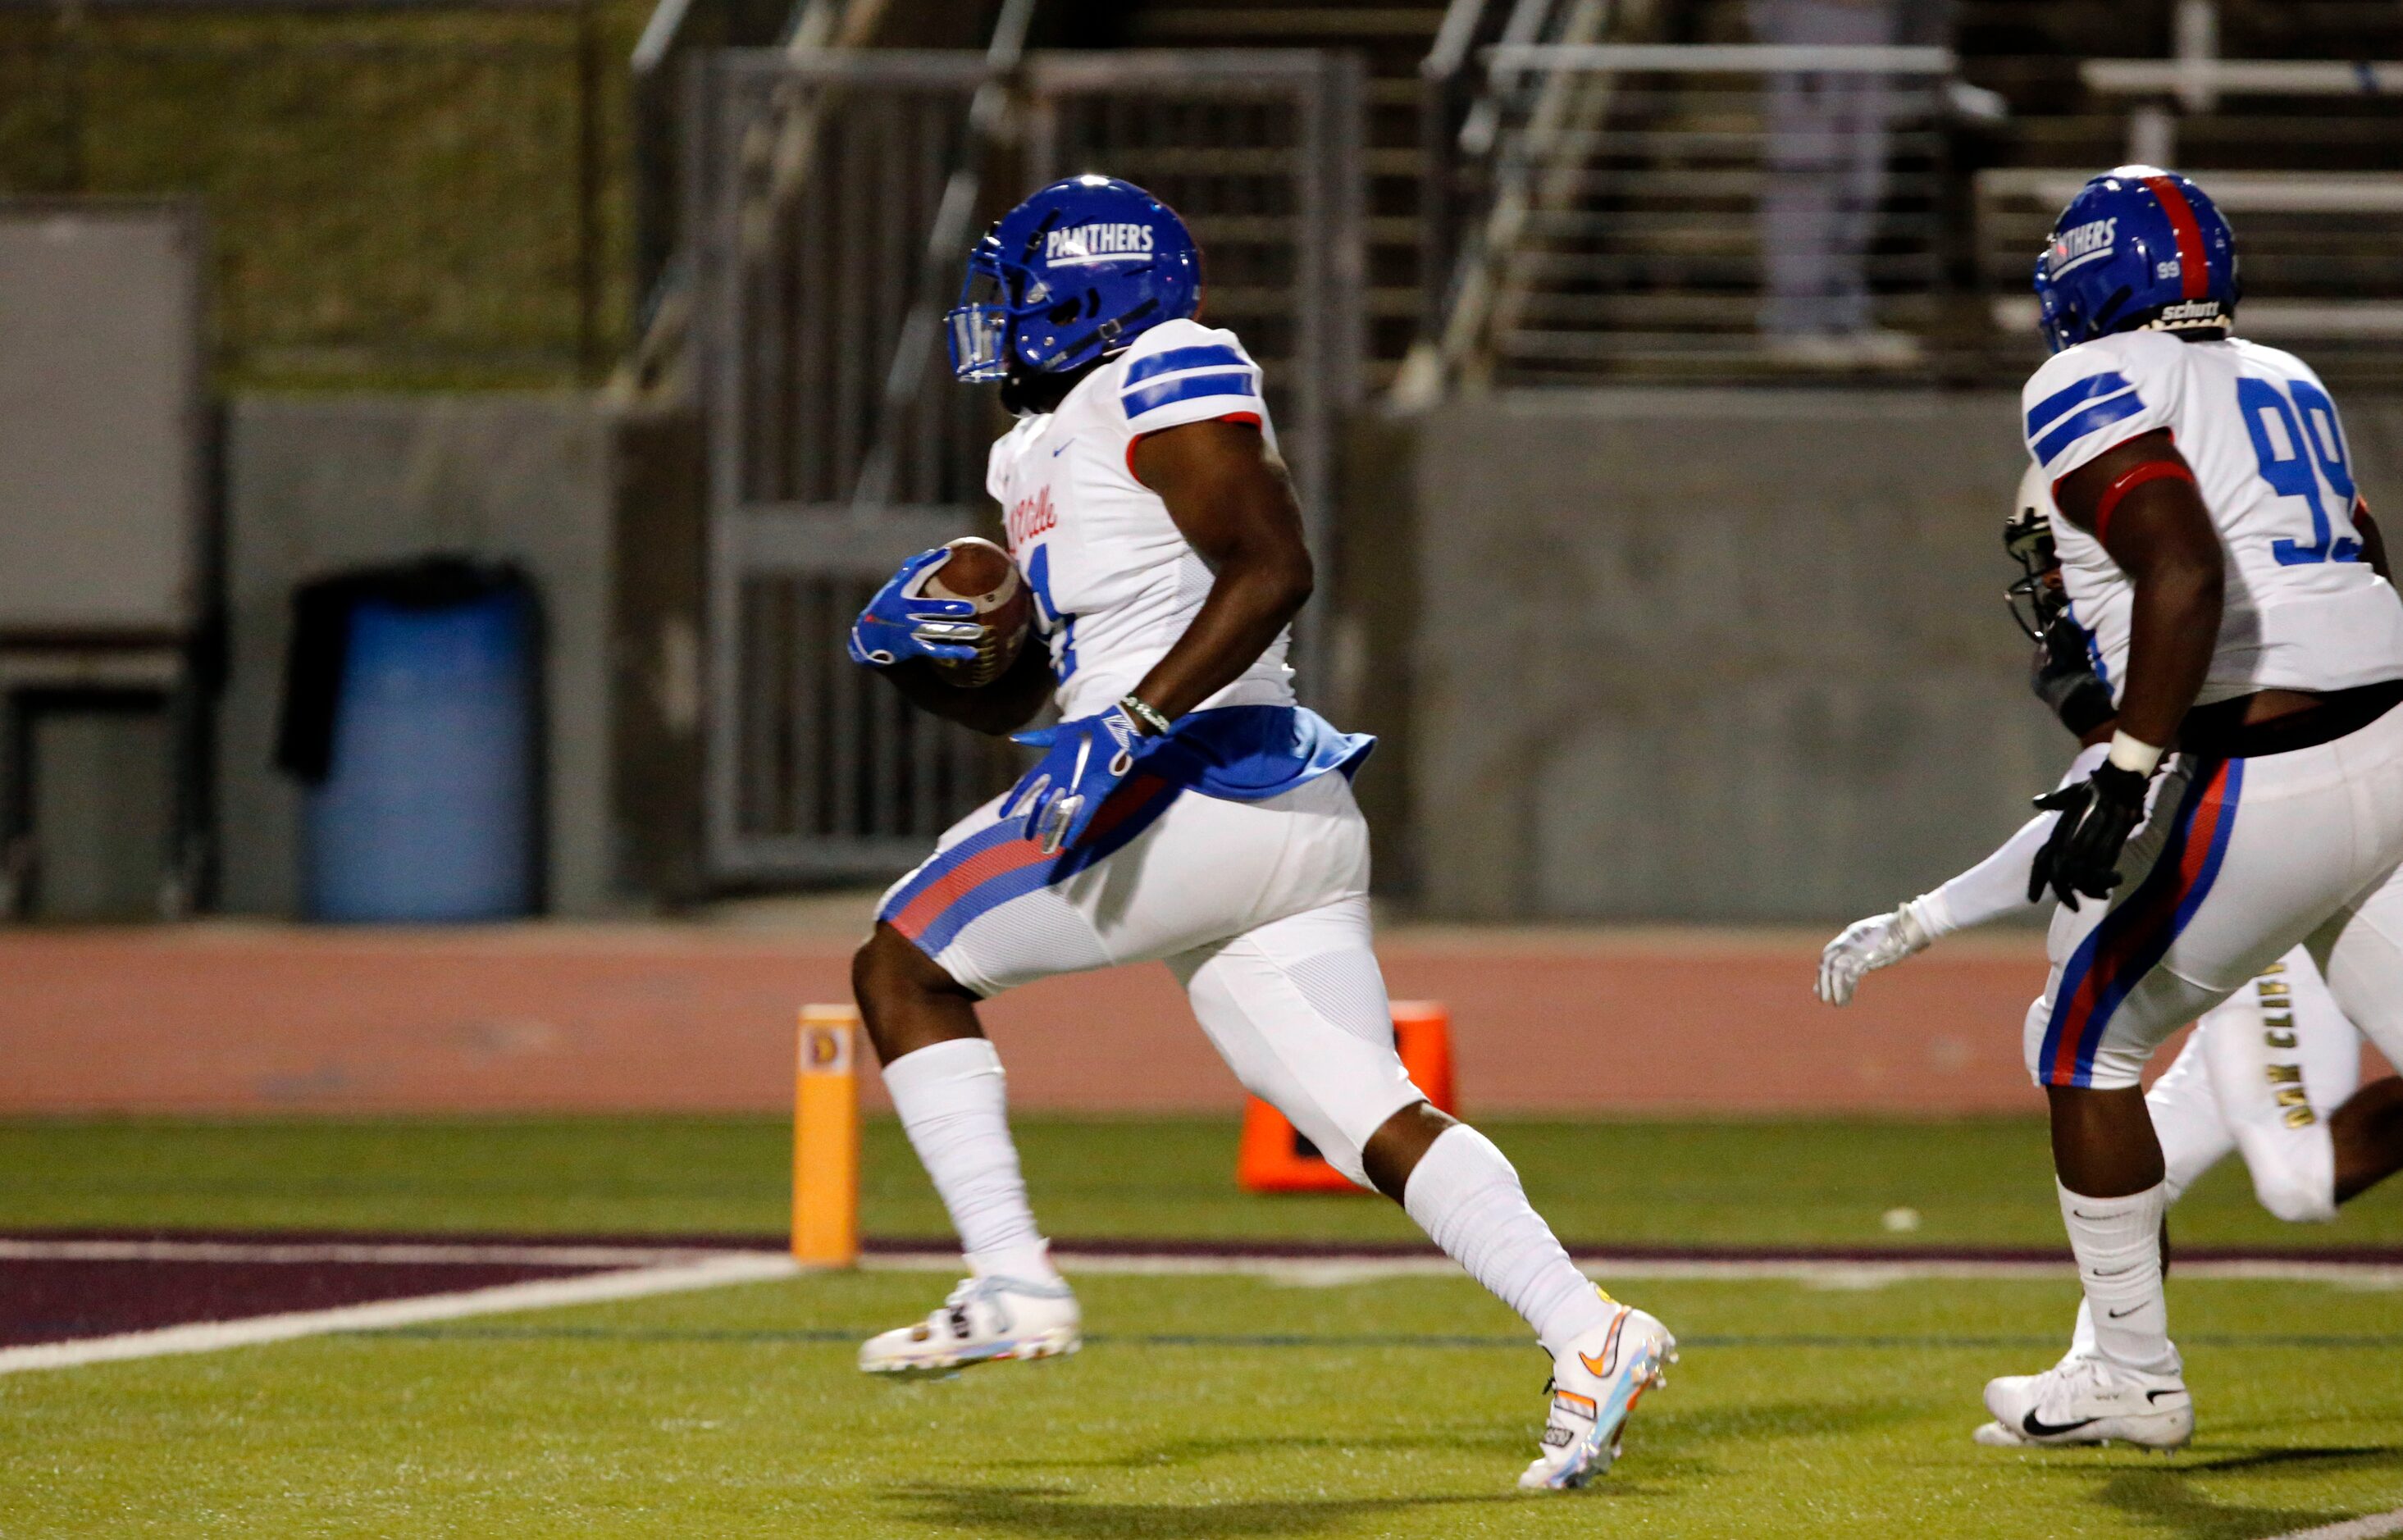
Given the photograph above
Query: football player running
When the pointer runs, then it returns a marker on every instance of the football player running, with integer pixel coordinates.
(2251, 797)
(1184, 808)
(2261, 1070)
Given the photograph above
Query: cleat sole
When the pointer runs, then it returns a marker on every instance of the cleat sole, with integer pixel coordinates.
(944, 1364)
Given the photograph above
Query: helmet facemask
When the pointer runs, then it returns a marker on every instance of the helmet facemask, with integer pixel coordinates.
(979, 330)
(2035, 599)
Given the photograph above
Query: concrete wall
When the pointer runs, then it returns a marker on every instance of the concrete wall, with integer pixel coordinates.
(1708, 655)
(319, 483)
(1723, 654)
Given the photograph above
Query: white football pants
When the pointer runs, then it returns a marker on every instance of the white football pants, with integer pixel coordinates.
(1259, 909)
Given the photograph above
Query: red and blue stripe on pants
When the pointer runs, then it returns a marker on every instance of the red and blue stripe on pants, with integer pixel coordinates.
(2134, 937)
(997, 864)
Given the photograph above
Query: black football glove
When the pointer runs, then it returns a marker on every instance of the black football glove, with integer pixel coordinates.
(2062, 677)
(2083, 855)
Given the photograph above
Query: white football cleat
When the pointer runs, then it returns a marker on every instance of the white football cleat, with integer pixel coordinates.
(1595, 1384)
(2083, 1400)
(984, 1319)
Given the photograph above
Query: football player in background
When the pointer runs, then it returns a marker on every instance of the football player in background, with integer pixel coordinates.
(2261, 1071)
(1186, 809)
(2251, 797)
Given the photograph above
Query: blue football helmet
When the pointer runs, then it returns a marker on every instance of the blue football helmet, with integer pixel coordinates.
(2138, 247)
(1073, 274)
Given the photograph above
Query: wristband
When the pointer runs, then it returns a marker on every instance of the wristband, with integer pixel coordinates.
(2133, 754)
(1146, 715)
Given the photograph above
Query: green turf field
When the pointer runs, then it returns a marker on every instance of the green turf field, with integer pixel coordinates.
(1203, 1407)
(1760, 1182)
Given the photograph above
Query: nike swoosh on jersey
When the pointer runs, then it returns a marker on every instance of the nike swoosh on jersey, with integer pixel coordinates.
(1061, 450)
(2038, 1428)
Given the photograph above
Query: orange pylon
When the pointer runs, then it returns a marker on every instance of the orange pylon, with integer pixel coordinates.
(1273, 1156)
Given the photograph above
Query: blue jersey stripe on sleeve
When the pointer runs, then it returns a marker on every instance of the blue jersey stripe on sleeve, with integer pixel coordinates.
(2087, 389)
(2101, 414)
(1216, 355)
(1186, 389)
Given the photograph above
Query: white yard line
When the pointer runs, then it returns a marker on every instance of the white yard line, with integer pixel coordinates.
(2368, 1527)
(541, 1294)
(518, 1254)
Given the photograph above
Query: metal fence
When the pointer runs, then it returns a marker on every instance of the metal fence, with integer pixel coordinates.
(839, 444)
(1601, 208)
(399, 191)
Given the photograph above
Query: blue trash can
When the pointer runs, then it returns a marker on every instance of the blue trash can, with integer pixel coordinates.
(424, 732)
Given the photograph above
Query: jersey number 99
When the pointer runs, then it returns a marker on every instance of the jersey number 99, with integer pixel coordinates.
(2288, 440)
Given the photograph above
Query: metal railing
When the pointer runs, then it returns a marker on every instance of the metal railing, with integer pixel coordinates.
(840, 443)
(399, 191)
(2158, 89)
(1700, 210)
(678, 33)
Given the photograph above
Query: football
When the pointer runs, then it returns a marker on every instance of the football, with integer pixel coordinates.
(982, 574)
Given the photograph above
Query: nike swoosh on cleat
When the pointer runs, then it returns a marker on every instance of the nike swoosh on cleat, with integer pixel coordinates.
(2155, 1394)
(2040, 1429)
(1609, 1350)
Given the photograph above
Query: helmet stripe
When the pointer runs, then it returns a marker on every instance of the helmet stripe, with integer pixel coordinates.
(2194, 267)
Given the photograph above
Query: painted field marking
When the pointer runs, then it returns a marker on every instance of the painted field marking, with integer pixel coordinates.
(2368, 1527)
(540, 1293)
(387, 1252)
(1313, 1270)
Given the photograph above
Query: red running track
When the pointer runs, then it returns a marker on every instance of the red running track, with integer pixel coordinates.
(226, 1017)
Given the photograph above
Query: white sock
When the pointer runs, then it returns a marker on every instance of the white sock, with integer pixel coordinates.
(2119, 1245)
(954, 1103)
(1464, 1195)
(2081, 1336)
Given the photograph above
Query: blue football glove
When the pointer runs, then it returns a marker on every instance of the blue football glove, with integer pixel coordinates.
(1083, 762)
(894, 627)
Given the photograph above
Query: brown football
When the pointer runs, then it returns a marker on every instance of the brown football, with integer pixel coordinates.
(982, 574)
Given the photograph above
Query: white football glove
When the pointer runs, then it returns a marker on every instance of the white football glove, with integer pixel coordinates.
(1880, 942)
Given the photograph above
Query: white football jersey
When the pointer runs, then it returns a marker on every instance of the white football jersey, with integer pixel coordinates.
(1115, 581)
(2303, 609)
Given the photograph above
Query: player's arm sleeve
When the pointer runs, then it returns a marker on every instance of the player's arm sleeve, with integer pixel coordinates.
(1997, 887)
(1183, 373)
(2091, 399)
